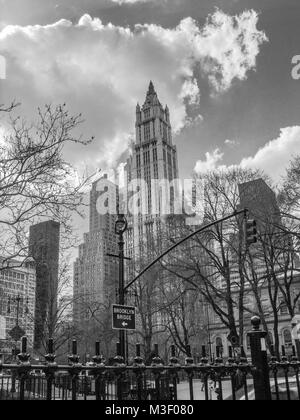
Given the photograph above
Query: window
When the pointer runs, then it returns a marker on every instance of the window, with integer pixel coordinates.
(138, 161)
(147, 132)
(287, 338)
(284, 309)
(165, 134)
(154, 154)
(219, 342)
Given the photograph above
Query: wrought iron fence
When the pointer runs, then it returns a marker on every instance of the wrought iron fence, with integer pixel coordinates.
(237, 378)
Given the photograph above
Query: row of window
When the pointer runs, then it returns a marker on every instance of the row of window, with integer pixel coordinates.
(165, 131)
(12, 274)
(286, 338)
(146, 158)
(147, 114)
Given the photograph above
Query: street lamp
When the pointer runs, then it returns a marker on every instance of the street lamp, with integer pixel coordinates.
(121, 226)
(17, 299)
(17, 332)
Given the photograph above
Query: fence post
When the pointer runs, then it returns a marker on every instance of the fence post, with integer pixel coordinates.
(50, 372)
(74, 370)
(259, 357)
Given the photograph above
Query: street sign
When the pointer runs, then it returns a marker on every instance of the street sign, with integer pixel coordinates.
(17, 333)
(123, 317)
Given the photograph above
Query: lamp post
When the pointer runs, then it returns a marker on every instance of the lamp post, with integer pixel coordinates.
(16, 300)
(120, 228)
(208, 331)
(17, 332)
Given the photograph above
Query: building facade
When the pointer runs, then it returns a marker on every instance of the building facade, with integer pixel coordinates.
(154, 158)
(270, 254)
(44, 249)
(95, 274)
(17, 302)
(152, 169)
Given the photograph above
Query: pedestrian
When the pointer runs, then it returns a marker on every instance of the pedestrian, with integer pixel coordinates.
(203, 382)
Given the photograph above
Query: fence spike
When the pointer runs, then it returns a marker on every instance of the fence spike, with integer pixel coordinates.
(74, 347)
(138, 350)
(50, 346)
(97, 348)
(173, 351)
(24, 345)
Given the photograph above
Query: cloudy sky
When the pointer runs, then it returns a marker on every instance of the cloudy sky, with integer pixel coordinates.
(223, 67)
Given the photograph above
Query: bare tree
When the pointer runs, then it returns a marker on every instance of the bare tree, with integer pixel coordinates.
(213, 261)
(36, 181)
(272, 271)
(97, 326)
(182, 314)
(148, 301)
(289, 195)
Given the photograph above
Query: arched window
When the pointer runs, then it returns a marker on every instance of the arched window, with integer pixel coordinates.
(287, 338)
(219, 346)
(219, 342)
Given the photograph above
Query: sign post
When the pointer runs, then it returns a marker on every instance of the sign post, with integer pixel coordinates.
(124, 318)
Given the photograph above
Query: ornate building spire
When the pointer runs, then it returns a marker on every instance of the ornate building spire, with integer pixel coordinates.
(151, 98)
(151, 90)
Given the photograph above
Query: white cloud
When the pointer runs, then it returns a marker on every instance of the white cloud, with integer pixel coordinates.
(190, 92)
(273, 158)
(211, 162)
(231, 143)
(229, 47)
(103, 70)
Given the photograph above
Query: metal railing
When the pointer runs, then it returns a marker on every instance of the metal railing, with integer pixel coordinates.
(233, 379)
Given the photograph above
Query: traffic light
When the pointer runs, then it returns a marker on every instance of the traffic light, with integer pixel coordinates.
(234, 339)
(250, 232)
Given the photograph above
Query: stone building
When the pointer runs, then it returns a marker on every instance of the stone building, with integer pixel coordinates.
(95, 276)
(44, 240)
(17, 302)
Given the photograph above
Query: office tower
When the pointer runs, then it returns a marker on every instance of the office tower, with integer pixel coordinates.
(154, 158)
(95, 274)
(44, 249)
(261, 202)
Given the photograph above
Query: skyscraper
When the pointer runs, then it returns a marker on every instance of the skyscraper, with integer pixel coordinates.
(261, 202)
(154, 158)
(95, 274)
(44, 249)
